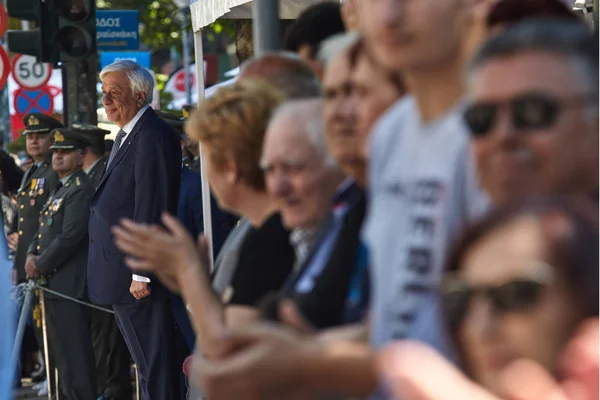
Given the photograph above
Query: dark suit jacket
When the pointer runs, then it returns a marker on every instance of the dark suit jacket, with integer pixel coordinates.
(141, 182)
(62, 238)
(190, 210)
(29, 204)
(96, 173)
(12, 175)
(324, 305)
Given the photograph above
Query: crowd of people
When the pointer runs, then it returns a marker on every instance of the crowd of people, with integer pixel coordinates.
(404, 205)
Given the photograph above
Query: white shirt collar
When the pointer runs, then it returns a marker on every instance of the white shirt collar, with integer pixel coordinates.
(131, 124)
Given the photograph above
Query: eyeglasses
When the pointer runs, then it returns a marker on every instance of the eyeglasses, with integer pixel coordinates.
(515, 296)
(527, 112)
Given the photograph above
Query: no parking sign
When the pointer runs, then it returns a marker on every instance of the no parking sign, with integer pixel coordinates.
(39, 100)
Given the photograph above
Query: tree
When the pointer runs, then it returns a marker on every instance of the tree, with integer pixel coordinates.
(161, 25)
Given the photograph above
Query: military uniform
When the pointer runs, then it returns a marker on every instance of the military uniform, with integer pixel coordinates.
(96, 136)
(35, 188)
(61, 244)
(110, 350)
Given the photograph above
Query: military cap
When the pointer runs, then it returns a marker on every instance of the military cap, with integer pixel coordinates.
(68, 139)
(40, 123)
(175, 121)
(186, 111)
(93, 133)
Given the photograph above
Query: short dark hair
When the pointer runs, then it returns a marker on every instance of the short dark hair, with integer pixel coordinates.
(572, 40)
(315, 24)
(507, 12)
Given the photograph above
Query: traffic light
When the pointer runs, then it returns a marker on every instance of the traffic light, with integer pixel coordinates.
(65, 29)
(38, 42)
(76, 34)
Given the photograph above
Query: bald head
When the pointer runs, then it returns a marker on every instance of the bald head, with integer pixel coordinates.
(299, 172)
(287, 71)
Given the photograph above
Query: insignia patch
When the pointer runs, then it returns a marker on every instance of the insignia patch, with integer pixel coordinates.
(59, 137)
(33, 121)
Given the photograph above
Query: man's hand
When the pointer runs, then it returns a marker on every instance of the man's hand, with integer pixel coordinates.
(31, 267)
(139, 290)
(169, 253)
(13, 241)
(269, 363)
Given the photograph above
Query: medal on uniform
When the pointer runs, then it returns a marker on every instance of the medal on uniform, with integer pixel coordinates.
(41, 191)
(32, 202)
(50, 221)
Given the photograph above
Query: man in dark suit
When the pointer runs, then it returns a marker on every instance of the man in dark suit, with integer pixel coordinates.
(141, 181)
(112, 356)
(59, 253)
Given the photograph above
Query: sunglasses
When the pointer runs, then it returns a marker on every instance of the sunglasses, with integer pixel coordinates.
(515, 296)
(531, 111)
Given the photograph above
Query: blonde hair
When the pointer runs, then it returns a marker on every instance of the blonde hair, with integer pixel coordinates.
(232, 123)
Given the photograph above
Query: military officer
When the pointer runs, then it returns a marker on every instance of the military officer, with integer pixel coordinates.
(59, 253)
(94, 159)
(110, 350)
(37, 184)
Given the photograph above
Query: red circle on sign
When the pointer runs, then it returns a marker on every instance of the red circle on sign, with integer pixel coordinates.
(3, 19)
(180, 80)
(5, 66)
(16, 77)
(44, 90)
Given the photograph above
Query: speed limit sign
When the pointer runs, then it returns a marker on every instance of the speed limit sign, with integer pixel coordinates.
(29, 73)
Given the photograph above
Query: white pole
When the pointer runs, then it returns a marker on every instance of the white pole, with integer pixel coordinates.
(205, 188)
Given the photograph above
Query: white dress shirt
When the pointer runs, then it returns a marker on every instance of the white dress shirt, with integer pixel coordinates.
(127, 129)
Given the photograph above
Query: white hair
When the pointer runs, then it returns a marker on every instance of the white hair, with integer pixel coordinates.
(308, 113)
(140, 78)
(335, 45)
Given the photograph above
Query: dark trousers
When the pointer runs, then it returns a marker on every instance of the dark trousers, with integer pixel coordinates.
(112, 357)
(184, 340)
(147, 327)
(70, 344)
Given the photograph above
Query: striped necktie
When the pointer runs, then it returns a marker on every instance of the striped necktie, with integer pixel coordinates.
(120, 135)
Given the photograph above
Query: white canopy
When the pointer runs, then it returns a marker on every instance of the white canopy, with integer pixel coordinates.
(205, 12)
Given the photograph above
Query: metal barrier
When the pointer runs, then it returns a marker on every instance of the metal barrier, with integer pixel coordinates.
(25, 292)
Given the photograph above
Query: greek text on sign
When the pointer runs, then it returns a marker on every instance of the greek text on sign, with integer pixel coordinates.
(117, 30)
(29, 73)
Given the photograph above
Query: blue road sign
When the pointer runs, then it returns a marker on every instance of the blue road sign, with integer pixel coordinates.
(140, 57)
(117, 30)
(39, 100)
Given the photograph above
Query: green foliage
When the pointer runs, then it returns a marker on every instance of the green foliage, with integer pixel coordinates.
(160, 24)
(17, 146)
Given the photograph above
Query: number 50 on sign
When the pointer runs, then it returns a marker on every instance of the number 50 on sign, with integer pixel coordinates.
(29, 73)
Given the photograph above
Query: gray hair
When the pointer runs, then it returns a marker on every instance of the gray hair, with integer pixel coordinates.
(140, 78)
(335, 45)
(570, 40)
(309, 114)
(285, 70)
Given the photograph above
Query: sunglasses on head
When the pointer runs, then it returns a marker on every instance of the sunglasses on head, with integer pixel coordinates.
(517, 295)
(527, 112)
